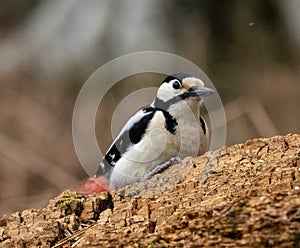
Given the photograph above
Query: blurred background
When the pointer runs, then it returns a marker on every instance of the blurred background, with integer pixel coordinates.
(48, 48)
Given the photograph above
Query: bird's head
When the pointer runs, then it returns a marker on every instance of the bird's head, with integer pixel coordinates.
(181, 87)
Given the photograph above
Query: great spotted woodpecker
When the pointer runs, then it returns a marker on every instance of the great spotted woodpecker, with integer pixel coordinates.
(167, 130)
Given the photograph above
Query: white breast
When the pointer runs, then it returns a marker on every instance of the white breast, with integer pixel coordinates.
(158, 146)
(155, 148)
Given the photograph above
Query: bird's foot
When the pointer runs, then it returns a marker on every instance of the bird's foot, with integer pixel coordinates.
(162, 167)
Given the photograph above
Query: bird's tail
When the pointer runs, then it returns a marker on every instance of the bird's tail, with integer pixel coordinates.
(93, 185)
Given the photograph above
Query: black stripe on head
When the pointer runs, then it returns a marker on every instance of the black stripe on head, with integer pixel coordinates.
(179, 76)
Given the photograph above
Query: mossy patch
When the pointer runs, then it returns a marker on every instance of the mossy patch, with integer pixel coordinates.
(70, 203)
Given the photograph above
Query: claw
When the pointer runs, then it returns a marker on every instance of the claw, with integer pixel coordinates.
(162, 167)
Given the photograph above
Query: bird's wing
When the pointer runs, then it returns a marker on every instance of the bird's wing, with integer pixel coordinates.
(203, 125)
(204, 136)
(130, 134)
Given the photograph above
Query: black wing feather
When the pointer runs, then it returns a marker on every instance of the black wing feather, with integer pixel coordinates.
(203, 124)
(131, 134)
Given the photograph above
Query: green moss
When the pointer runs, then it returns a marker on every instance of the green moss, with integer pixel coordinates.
(177, 213)
(70, 202)
(237, 208)
(163, 244)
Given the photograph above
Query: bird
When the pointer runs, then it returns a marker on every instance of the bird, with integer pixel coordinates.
(156, 136)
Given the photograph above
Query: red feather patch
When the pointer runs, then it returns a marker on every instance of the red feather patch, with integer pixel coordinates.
(93, 185)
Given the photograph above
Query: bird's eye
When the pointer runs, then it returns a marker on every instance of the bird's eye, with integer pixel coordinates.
(176, 85)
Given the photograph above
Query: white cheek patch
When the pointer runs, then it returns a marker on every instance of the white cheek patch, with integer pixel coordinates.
(165, 92)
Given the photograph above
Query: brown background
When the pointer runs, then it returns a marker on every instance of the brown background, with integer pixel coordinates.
(48, 49)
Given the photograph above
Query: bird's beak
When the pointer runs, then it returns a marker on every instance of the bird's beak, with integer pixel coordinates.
(200, 91)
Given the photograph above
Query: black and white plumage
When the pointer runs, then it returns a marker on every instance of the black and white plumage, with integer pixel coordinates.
(171, 126)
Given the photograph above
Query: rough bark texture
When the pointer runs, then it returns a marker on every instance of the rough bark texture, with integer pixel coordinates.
(244, 195)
